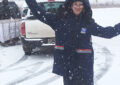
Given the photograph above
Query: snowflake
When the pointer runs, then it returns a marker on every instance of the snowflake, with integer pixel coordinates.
(38, 12)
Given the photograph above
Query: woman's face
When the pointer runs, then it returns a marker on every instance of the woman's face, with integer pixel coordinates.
(77, 7)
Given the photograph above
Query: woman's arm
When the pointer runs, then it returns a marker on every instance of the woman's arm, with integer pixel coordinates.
(40, 13)
(105, 32)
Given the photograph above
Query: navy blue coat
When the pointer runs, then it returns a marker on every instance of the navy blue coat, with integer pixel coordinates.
(73, 55)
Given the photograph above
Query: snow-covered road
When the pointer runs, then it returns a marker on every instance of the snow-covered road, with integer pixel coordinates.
(36, 69)
(18, 69)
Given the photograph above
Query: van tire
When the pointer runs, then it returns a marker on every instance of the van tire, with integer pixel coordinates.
(27, 53)
(27, 50)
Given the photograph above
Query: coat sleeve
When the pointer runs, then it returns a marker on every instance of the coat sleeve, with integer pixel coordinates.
(105, 32)
(40, 13)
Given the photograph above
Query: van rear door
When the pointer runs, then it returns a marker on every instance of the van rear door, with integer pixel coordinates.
(36, 28)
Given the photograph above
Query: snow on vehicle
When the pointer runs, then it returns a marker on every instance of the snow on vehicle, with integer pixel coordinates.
(10, 19)
(35, 33)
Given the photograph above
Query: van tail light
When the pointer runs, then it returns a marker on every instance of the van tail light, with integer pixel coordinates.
(23, 29)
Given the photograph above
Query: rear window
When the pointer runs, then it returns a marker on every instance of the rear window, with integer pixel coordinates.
(50, 6)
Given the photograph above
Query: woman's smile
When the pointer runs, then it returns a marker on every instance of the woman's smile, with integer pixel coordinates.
(77, 7)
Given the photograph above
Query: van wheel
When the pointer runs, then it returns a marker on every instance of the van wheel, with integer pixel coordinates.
(27, 50)
(27, 53)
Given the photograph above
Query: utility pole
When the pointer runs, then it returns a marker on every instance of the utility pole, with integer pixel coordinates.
(112, 2)
(96, 2)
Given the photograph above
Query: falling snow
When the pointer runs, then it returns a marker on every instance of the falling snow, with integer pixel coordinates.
(36, 69)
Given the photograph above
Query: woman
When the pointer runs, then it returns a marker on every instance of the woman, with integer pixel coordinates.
(73, 26)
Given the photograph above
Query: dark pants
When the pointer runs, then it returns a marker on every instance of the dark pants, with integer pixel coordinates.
(71, 81)
(76, 81)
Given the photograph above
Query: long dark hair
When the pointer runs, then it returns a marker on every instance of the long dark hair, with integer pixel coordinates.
(65, 10)
(5, 2)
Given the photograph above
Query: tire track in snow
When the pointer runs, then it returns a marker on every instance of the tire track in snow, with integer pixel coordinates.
(29, 76)
(23, 67)
(108, 62)
(107, 65)
(50, 80)
(14, 64)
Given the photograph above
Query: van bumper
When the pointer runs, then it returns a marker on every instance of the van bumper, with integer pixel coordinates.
(35, 42)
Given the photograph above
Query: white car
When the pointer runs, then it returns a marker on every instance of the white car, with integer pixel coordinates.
(35, 33)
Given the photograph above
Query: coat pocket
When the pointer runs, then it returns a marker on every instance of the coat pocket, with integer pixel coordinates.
(84, 55)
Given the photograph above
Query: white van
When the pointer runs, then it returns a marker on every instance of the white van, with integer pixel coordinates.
(35, 33)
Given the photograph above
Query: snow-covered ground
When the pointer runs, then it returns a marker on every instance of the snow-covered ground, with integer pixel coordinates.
(109, 17)
(18, 69)
(36, 69)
